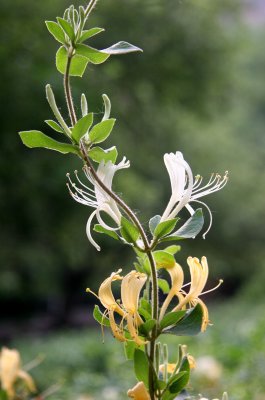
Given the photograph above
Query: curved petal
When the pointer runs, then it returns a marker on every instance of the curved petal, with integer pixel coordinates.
(88, 231)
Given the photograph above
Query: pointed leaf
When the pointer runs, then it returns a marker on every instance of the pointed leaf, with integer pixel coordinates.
(129, 348)
(34, 139)
(165, 227)
(100, 229)
(129, 231)
(163, 285)
(99, 317)
(82, 126)
(190, 229)
(92, 55)
(179, 382)
(101, 131)
(154, 221)
(88, 34)
(56, 127)
(164, 259)
(146, 327)
(56, 30)
(78, 64)
(141, 366)
(174, 249)
(121, 48)
(67, 27)
(190, 324)
(98, 154)
(171, 318)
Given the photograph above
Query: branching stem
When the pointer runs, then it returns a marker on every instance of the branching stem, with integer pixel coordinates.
(125, 208)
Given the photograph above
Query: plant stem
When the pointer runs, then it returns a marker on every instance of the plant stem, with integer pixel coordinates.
(67, 88)
(130, 214)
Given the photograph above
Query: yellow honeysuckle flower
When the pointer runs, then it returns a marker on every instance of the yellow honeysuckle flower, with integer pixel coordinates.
(139, 392)
(199, 274)
(177, 278)
(10, 372)
(171, 367)
(131, 287)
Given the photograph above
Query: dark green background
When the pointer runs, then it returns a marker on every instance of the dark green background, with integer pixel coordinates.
(198, 88)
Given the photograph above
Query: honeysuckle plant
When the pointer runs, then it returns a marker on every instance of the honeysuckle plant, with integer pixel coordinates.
(148, 306)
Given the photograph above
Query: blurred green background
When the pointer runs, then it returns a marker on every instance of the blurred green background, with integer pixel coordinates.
(198, 88)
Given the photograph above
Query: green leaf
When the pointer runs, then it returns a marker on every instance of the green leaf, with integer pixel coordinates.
(82, 126)
(174, 249)
(141, 366)
(34, 139)
(146, 327)
(3, 395)
(56, 127)
(121, 48)
(100, 229)
(98, 154)
(67, 27)
(101, 131)
(190, 229)
(129, 349)
(185, 365)
(78, 64)
(165, 227)
(88, 34)
(190, 324)
(164, 259)
(99, 317)
(92, 55)
(129, 231)
(56, 31)
(154, 221)
(163, 285)
(171, 318)
(179, 382)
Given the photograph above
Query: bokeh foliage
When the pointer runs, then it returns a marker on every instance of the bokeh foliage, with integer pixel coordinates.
(197, 88)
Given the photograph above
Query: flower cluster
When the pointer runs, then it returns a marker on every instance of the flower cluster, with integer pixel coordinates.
(131, 286)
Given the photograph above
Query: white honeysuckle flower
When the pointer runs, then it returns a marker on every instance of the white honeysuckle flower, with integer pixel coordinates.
(96, 197)
(186, 189)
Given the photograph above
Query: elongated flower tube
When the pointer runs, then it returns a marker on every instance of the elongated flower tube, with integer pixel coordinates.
(107, 299)
(96, 197)
(199, 274)
(185, 189)
(131, 287)
(177, 278)
(10, 372)
(139, 392)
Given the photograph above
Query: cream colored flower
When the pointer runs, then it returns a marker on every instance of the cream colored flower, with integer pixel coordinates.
(199, 274)
(131, 287)
(10, 372)
(97, 198)
(177, 278)
(139, 392)
(107, 299)
(185, 189)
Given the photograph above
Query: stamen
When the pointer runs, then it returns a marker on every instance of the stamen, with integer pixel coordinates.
(88, 290)
(210, 214)
(214, 288)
